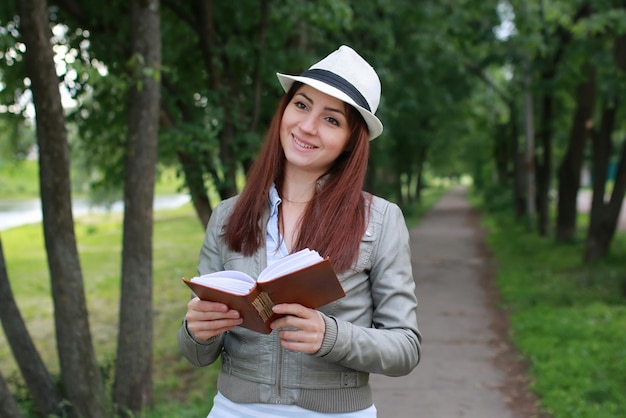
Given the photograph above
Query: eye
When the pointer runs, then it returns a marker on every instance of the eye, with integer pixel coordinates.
(333, 121)
(300, 105)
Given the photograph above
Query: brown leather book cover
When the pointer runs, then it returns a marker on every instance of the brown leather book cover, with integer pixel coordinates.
(312, 286)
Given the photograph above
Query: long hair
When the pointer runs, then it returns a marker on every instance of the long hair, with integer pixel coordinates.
(335, 219)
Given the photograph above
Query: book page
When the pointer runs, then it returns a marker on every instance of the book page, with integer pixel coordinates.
(228, 280)
(291, 263)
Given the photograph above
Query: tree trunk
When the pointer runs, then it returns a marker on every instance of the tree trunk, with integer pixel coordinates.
(226, 183)
(258, 64)
(562, 38)
(502, 153)
(519, 183)
(544, 166)
(603, 218)
(8, 405)
(37, 378)
(529, 158)
(191, 163)
(132, 389)
(569, 170)
(419, 186)
(79, 370)
(517, 159)
(198, 191)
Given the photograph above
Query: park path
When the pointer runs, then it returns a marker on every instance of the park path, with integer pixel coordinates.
(464, 371)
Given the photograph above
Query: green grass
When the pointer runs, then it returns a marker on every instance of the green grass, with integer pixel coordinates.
(177, 239)
(567, 318)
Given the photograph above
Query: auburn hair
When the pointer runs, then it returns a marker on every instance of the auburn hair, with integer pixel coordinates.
(334, 220)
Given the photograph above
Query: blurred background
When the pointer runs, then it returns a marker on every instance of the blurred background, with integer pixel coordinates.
(520, 102)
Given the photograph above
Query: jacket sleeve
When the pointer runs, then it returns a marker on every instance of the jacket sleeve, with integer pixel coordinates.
(199, 353)
(391, 346)
(203, 353)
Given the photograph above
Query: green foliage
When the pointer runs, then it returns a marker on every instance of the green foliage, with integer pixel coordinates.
(414, 212)
(98, 145)
(12, 83)
(17, 139)
(566, 318)
(495, 198)
(611, 20)
(577, 356)
(420, 54)
(209, 94)
(19, 180)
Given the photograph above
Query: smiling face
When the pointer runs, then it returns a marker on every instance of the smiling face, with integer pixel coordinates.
(313, 131)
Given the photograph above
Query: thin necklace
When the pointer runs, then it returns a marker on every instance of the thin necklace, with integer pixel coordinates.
(293, 201)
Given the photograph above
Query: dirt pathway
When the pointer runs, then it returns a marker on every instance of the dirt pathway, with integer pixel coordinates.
(468, 369)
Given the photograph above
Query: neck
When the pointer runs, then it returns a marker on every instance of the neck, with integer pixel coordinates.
(298, 190)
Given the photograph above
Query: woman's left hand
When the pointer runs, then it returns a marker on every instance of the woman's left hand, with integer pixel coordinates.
(301, 329)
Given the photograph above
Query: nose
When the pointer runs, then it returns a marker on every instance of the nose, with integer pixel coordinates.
(309, 124)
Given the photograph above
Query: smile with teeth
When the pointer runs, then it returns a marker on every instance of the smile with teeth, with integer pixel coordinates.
(302, 144)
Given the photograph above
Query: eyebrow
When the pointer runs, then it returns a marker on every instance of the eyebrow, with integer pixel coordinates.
(332, 109)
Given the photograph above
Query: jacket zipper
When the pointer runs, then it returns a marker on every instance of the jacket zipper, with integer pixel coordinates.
(279, 372)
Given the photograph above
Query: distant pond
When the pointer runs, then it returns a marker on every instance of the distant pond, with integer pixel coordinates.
(15, 213)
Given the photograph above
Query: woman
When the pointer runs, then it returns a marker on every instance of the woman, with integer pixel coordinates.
(305, 190)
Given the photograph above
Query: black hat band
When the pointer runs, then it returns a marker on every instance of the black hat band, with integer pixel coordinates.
(338, 82)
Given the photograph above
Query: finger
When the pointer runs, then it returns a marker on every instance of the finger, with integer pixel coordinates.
(292, 323)
(193, 315)
(307, 333)
(206, 335)
(204, 305)
(311, 321)
(204, 330)
(294, 309)
(300, 341)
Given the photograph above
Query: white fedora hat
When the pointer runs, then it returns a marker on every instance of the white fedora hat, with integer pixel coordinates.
(344, 74)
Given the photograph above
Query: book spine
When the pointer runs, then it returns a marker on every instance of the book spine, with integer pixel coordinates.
(263, 304)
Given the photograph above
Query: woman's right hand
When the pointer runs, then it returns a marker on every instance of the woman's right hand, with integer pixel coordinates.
(207, 319)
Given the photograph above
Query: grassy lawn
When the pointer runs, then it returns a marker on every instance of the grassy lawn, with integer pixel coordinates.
(568, 319)
(177, 237)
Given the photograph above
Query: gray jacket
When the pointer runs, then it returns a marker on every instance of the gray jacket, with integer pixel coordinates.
(373, 329)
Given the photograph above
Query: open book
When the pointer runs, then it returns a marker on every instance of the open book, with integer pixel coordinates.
(303, 277)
